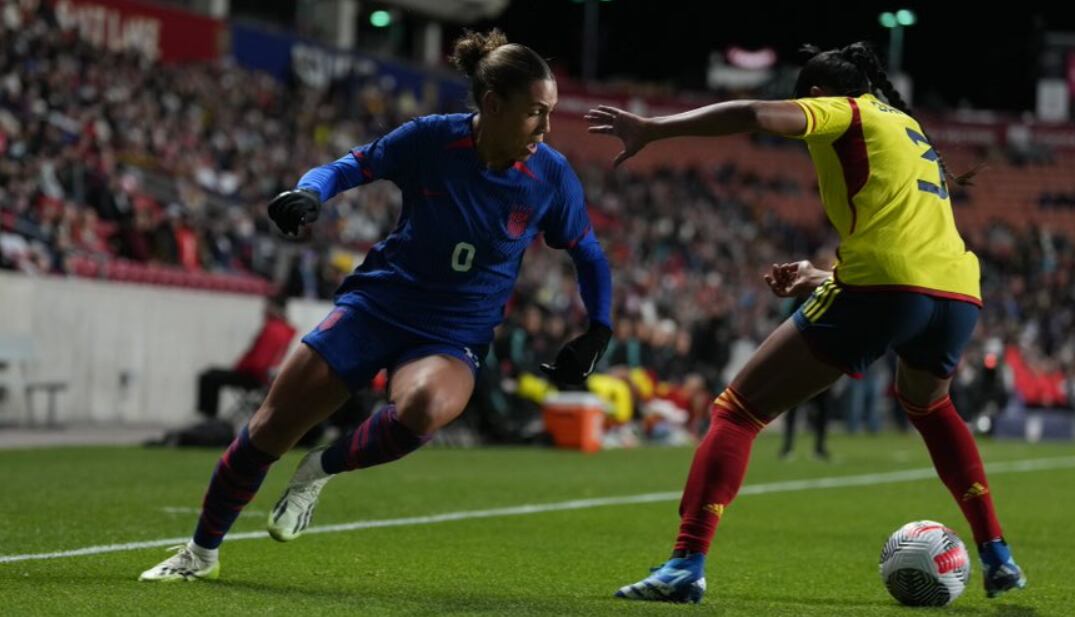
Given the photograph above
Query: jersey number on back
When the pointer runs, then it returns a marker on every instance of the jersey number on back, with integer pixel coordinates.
(940, 190)
(463, 257)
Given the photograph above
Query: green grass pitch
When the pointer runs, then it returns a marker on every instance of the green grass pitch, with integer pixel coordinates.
(807, 552)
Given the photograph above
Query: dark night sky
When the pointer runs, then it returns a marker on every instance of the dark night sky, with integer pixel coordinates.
(956, 52)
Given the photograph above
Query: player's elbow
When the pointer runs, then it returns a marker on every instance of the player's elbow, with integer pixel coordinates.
(753, 115)
(588, 251)
(777, 117)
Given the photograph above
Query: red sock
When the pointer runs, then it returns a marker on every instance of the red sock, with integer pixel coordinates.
(720, 462)
(956, 458)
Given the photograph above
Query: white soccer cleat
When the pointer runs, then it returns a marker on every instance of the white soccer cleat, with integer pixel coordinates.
(292, 512)
(185, 565)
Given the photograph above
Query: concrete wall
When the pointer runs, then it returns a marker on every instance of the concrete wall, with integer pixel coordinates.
(130, 353)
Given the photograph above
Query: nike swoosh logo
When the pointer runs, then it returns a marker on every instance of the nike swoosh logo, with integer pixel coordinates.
(593, 363)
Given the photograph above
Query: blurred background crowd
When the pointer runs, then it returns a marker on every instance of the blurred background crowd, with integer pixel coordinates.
(111, 162)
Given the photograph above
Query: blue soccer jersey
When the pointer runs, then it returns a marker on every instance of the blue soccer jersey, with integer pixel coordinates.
(448, 268)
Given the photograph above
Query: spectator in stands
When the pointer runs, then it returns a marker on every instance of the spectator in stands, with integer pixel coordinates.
(145, 146)
(1039, 381)
(860, 400)
(519, 339)
(257, 367)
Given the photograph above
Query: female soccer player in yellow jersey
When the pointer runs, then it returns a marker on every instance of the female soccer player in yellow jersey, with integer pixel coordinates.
(903, 280)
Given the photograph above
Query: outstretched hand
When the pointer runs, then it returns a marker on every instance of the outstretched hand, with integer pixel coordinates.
(628, 127)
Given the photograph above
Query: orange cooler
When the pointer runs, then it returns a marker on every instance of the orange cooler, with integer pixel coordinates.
(575, 420)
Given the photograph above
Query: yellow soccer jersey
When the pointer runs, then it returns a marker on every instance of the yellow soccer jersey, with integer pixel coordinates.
(883, 190)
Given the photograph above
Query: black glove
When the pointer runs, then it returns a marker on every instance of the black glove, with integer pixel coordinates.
(293, 209)
(576, 360)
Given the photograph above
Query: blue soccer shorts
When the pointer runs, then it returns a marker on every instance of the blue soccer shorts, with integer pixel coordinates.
(356, 345)
(849, 329)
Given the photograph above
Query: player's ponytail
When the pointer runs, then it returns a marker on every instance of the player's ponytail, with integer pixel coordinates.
(863, 57)
(493, 64)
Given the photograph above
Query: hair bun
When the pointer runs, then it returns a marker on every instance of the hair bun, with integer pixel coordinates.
(470, 48)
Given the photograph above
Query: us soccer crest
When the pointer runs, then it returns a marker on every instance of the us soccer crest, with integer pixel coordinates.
(518, 219)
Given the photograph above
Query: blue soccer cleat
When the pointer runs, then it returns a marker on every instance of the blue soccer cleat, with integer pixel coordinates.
(999, 570)
(680, 580)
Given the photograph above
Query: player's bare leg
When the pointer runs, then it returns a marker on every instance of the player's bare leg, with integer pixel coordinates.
(305, 393)
(431, 392)
(426, 394)
(955, 456)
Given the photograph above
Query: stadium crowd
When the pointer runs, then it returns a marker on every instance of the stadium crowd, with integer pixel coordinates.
(107, 156)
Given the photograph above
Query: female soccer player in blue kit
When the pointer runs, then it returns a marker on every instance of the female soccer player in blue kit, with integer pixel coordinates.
(477, 188)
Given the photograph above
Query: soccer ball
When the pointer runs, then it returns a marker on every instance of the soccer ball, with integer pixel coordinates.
(925, 564)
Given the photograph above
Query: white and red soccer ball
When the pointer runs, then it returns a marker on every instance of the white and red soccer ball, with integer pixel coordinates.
(925, 564)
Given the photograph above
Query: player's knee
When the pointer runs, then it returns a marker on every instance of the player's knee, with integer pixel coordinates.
(419, 408)
(913, 395)
(919, 388)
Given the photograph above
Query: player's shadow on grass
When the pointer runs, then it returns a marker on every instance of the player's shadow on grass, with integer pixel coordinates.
(1014, 610)
(290, 591)
(1002, 610)
(771, 599)
(467, 601)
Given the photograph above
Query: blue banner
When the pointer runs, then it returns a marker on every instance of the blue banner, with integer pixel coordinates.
(283, 55)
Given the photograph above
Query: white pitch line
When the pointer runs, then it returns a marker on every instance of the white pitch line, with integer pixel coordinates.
(870, 479)
(184, 511)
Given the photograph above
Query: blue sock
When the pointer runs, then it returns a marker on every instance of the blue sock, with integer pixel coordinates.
(235, 481)
(382, 438)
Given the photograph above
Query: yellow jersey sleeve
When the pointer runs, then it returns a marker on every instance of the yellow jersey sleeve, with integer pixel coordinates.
(827, 117)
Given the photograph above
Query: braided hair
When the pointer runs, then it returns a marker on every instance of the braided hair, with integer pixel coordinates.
(855, 70)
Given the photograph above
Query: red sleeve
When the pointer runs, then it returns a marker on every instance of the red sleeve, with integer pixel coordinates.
(268, 349)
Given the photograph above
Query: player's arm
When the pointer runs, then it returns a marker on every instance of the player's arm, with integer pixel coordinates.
(389, 157)
(300, 206)
(595, 279)
(778, 117)
(796, 279)
(334, 178)
(577, 359)
(567, 226)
